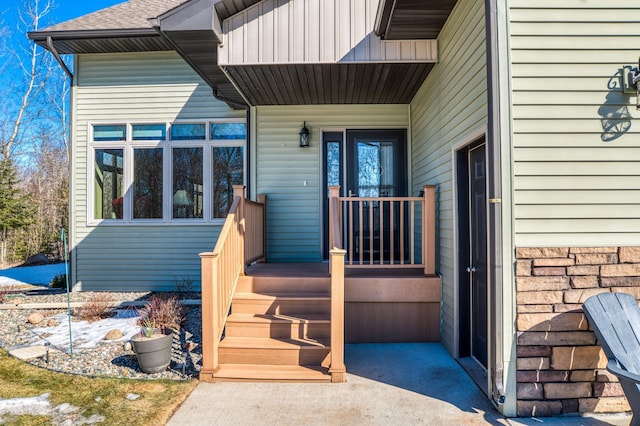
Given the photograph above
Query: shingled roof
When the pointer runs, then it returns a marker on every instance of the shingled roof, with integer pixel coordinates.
(132, 14)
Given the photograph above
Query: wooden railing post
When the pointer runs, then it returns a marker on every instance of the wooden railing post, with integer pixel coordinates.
(262, 199)
(337, 368)
(334, 193)
(238, 191)
(429, 230)
(209, 316)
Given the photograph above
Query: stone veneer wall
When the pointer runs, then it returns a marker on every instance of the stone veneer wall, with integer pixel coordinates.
(560, 367)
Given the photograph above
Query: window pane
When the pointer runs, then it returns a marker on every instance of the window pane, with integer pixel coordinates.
(108, 184)
(148, 132)
(228, 131)
(188, 131)
(147, 183)
(187, 183)
(116, 132)
(228, 170)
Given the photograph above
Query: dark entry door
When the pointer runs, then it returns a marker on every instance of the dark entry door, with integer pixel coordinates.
(375, 167)
(477, 268)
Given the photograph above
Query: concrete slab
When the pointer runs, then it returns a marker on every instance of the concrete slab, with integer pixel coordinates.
(28, 352)
(390, 384)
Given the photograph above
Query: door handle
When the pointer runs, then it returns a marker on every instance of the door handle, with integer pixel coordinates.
(471, 268)
(351, 194)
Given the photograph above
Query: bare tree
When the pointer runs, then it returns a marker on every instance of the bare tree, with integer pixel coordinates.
(33, 138)
(33, 67)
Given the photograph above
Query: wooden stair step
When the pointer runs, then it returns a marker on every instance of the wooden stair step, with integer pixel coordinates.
(277, 284)
(271, 373)
(250, 350)
(314, 326)
(281, 303)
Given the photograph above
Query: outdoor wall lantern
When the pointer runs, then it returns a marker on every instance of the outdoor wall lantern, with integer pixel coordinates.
(631, 81)
(304, 135)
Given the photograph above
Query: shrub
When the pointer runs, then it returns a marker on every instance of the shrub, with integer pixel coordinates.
(162, 312)
(5, 291)
(97, 307)
(59, 281)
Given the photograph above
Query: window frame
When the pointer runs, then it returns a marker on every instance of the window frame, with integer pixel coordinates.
(129, 145)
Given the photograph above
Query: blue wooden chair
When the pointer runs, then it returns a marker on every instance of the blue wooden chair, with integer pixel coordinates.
(615, 318)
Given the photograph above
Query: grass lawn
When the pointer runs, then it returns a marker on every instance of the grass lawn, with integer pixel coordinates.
(104, 396)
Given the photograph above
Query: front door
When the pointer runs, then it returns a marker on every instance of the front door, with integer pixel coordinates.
(372, 163)
(472, 252)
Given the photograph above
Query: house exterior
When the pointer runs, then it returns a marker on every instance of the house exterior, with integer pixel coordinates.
(515, 110)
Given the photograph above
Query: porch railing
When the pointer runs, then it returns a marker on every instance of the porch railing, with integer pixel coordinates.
(337, 368)
(222, 268)
(385, 231)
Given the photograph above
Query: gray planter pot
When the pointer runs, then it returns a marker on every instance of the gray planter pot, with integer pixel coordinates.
(154, 354)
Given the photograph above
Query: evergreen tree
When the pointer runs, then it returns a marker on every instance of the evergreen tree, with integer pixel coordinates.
(16, 210)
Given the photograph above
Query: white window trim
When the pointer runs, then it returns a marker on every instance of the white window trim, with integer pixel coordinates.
(128, 146)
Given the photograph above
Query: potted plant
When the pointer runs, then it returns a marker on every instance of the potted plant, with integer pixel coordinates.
(158, 318)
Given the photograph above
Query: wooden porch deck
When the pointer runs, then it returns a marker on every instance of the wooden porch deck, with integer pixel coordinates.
(290, 321)
(321, 269)
(381, 304)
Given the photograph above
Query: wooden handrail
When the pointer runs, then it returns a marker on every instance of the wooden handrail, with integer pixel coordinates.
(254, 235)
(383, 231)
(222, 268)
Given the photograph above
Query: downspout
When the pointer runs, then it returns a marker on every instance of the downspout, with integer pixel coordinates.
(53, 50)
(496, 379)
(502, 292)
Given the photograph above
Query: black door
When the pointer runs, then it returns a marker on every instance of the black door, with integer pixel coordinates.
(471, 184)
(478, 253)
(375, 167)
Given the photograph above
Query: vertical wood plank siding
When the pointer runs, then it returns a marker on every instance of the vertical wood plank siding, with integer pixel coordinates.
(444, 110)
(576, 136)
(140, 86)
(314, 31)
(294, 211)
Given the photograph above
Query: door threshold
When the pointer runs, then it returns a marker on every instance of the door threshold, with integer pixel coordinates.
(476, 371)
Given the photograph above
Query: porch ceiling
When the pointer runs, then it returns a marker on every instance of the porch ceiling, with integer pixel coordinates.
(371, 83)
(412, 19)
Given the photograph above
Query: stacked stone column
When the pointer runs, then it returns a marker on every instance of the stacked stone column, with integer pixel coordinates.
(560, 367)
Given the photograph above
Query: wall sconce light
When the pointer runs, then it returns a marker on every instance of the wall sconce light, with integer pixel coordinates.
(631, 81)
(304, 136)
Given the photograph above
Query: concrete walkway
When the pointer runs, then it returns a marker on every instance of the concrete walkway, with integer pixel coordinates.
(387, 384)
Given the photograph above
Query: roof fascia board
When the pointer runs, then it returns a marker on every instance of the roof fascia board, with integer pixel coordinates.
(91, 34)
(383, 17)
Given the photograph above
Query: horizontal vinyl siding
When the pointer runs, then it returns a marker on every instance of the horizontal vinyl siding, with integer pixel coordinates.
(314, 31)
(443, 112)
(294, 211)
(145, 87)
(575, 184)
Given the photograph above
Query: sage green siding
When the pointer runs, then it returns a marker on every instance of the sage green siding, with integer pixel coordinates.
(575, 134)
(145, 87)
(294, 210)
(450, 106)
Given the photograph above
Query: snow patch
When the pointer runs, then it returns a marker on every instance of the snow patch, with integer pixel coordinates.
(87, 334)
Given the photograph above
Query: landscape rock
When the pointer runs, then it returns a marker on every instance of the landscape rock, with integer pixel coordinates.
(114, 334)
(126, 346)
(52, 323)
(35, 318)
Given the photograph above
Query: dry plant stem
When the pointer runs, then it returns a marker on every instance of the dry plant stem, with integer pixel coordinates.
(97, 307)
(162, 312)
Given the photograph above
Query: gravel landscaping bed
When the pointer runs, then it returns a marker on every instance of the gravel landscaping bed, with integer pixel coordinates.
(113, 359)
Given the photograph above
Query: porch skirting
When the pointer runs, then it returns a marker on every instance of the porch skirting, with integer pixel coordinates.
(560, 366)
